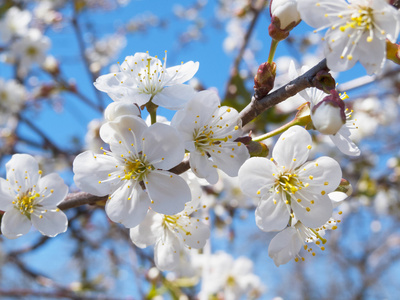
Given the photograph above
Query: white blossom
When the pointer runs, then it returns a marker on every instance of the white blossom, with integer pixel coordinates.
(139, 158)
(209, 132)
(30, 49)
(230, 279)
(14, 23)
(30, 199)
(357, 30)
(144, 78)
(288, 186)
(171, 233)
(12, 98)
(286, 245)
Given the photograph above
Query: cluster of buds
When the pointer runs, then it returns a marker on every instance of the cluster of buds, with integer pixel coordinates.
(284, 17)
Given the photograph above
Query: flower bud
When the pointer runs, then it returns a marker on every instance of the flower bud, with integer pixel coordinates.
(264, 79)
(393, 52)
(117, 109)
(328, 116)
(284, 17)
(258, 149)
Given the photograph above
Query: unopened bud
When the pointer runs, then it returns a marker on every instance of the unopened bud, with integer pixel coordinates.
(345, 187)
(284, 17)
(324, 81)
(393, 52)
(328, 116)
(257, 149)
(51, 65)
(264, 79)
(117, 109)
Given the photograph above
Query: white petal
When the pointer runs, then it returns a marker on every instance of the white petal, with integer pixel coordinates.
(323, 175)
(163, 146)
(117, 134)
(314, 15)
(117, 109)
(270, 216)
(174, 97)
(230, 161)
(202, 167)
(22, 170)
(148, 231)
(284, 246)
(13, 224)
(372, 54)
(181, 73)
(337, 198)
(292, 148)
(196, 234)
(128, 205)
(319, 213)
(91, 168)
(336, 42)
(342, 140)
(52, 222)
(203, 105)
(54, 189)
(167, 251)
(256, 175)
(168, 192)
(7, 195)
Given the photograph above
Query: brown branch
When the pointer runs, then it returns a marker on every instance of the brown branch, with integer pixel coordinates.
(257, 9)
(79, 199)
(255, 108)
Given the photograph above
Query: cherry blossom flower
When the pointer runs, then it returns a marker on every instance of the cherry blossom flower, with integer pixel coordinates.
(289, 186)
(331, 123)
(286, 245)
(209, 132)
(171, 233)
(12, 98)
(358, 30)
(14, 23)
(138, 160)
(230, 279)
(30, 49)
(143, 78)
(30, 199)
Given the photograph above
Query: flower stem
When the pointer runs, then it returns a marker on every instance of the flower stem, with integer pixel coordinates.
(152, 109)
(277, 131)
(274, 45)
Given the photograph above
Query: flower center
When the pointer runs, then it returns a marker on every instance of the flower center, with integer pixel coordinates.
(288, 183)
(173, 222)
(361, 20)
(25, 203)
(136, 169)
(204, 138)
(31, 51)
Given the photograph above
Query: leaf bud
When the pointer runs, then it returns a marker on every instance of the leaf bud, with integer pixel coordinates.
(264, 80)
(324, 81)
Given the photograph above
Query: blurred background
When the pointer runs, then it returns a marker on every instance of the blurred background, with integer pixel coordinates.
(50, 109)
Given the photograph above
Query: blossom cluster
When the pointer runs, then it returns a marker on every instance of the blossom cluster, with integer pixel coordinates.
(153, 171)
